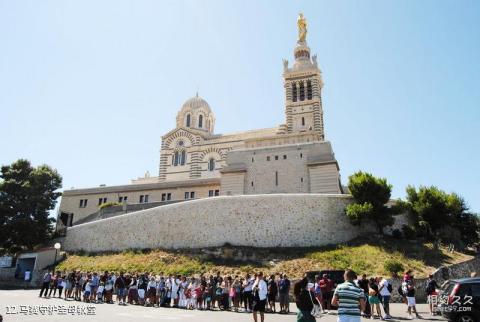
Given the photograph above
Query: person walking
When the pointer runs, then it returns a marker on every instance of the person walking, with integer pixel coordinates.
(408, 288)
(304, 301)
(348, 297)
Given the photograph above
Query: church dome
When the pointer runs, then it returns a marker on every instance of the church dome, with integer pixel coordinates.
(196, 113)
(196, 102)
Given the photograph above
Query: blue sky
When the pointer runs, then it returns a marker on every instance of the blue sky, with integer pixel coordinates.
(89, 87)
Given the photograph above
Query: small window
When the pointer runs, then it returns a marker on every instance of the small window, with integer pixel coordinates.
(276, 157)
(252, 160)
(169, 196)
(188, 120)
(217, 193)
(187, 195)
(294, 92)
(141, 200)
(192, 195)
(301, 155)
(200, 121)
(146, 198)
(100, 201)
(211, 165)
(276, 178)
(164, 196)
(284, 157)
(303, 121)
(175, 158)
(210, 193)
(301, 180)
(252, 183)
(83, 203)
(268, 158)
(302, 92)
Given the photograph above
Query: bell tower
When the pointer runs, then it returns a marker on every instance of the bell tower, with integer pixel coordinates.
(303, 87)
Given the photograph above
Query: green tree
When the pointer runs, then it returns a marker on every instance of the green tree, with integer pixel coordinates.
(27, 194)
(371, 196)
(433, 209)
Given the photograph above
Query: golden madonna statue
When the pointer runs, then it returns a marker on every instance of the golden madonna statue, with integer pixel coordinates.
(302, 28)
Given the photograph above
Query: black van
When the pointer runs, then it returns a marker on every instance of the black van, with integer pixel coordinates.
(460, 300)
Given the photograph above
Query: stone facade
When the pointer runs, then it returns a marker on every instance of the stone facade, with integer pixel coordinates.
(195, 162)
(275, 220)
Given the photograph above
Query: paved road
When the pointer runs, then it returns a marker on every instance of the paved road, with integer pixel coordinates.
(13, 300)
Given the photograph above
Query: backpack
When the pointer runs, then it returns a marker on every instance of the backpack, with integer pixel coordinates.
(400, 290)
(390, 288)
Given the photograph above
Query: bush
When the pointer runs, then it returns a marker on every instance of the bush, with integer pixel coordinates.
(409, 232)
(393, 266)
(396, 233)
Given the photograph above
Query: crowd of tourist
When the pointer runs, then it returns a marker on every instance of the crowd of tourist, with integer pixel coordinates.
(254, 293)
(249, 293)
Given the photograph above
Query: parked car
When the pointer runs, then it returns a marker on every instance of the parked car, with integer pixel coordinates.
(460, 300)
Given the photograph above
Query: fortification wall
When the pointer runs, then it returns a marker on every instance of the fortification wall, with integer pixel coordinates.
(277, 220)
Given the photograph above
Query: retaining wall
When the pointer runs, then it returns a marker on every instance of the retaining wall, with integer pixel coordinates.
(275, 220)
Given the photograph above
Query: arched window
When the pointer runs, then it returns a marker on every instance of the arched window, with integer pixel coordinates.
(309, 90)
(294, 92)
(175, 158)
(211, 165)
(188, 120)
(183, 158)
(200, 121)
(303, 121)
(302, 92)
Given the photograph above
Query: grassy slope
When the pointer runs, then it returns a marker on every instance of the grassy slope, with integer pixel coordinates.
(363, 255)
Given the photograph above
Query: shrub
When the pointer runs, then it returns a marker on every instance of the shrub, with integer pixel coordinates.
(408, 232)
(396, 233)
(393, 266)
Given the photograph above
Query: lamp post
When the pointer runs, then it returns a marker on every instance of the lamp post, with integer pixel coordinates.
(57, 247)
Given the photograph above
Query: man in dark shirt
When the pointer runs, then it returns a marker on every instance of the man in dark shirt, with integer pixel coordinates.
(120, 284)
(326, 285)
(363, 284)
(283, 294)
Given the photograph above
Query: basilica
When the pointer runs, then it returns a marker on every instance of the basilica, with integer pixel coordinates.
(195, 162)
